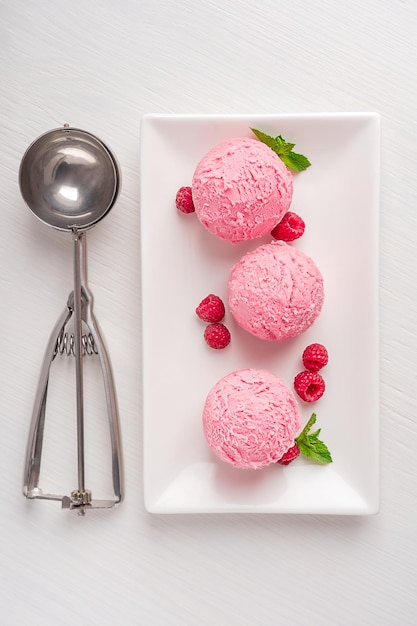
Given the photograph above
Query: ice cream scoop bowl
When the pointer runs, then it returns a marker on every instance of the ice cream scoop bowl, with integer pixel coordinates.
(70, 180)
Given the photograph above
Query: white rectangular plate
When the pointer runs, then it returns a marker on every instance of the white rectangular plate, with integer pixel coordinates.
(338, 199)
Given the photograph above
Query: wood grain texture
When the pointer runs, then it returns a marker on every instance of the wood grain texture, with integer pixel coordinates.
(101, 65)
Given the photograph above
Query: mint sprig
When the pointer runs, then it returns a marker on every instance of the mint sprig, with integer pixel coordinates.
(311, 446)
(284, 149)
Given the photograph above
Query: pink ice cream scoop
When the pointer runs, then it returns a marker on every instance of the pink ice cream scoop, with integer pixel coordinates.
(250, 418)
(275, 292)
(241, 190)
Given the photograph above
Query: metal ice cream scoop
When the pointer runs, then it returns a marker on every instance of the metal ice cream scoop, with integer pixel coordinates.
(70, 180)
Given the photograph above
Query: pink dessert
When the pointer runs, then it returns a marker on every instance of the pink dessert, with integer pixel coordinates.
(250, 418)
(241, 190)
(275, 292)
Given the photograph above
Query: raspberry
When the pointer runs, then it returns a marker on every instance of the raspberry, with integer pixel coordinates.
(217, 336)
(315, 357)
(211, 309)
(184, 200)
(310, 386)
(291, 227)
(290, 455)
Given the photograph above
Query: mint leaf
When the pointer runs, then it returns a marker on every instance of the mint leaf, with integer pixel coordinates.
(285, 148)
(267, 139)
(311, 446)
(308, 426)
(294, 161)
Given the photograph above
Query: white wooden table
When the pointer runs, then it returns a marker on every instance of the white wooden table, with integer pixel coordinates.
(101, 66)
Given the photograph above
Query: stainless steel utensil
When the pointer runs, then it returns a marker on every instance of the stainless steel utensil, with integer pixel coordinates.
(70, 180)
